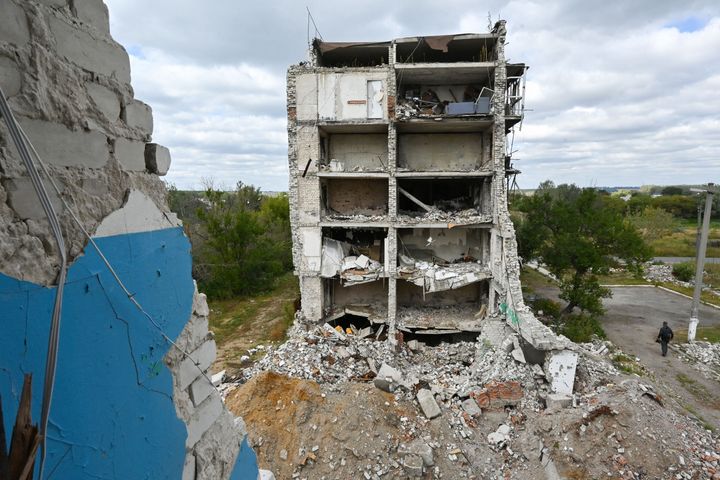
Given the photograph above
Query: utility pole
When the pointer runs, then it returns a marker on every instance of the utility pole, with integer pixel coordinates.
(700, 261)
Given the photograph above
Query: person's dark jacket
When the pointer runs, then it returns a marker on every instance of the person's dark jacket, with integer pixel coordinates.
(666, 334)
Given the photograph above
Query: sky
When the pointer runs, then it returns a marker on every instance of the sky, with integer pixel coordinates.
(619, 93)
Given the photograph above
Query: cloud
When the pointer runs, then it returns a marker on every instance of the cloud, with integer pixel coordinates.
(617, 92)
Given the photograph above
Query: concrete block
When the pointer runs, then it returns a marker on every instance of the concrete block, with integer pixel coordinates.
(60, 146)
(157, 159)
(106, 101)
(139, 115)
(471, 407)
(130, 154)
(413, 465)
(218, 378)
(10, 77)
(13, 24)
(200, 305)
(202, 418)
(189, 467)
(428, 404)
(266, 475)
(560, 371)
(139, 214)
(418, 447)
(558, 401)
(188, 371)
(23, 199)
(102, 56)
(93, 13)
(200, 389)
(387, 378)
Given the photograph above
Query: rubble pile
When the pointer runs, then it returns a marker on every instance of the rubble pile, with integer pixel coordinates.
(434, 277)
(467, 216)
(662, 273)
(328, 404)
(702, 356)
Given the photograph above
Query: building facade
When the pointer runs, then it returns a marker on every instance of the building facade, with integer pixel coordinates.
(399, 170)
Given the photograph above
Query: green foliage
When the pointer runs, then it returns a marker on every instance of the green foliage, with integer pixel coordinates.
(653, 223)
(581, 328)
(684, 271)
(576, 233)
(671, 190)
(247, 245)
(549, 307)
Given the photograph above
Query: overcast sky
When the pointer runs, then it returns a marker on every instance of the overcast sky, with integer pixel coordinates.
(618, 92)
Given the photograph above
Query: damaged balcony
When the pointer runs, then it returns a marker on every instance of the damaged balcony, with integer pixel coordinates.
(444, 202)
(441, 313)
(350, 54)
(438, 260)
(515, 94)
(354, 200)
(358, 153)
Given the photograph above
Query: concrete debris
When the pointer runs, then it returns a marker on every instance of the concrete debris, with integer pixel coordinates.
(557, 401)
(471, 407)
(701, 356)
(388, 378)
(428, 405)
(420, 448)
(436, 278)
(218, 378)
(500, 436)
(468, 216)
(413, 465)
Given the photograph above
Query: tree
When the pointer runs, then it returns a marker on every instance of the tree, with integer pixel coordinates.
(653, 223)
(247, 245)
(671, 191)
(572, 232)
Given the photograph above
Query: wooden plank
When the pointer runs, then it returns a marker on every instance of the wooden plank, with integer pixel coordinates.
(25, 438)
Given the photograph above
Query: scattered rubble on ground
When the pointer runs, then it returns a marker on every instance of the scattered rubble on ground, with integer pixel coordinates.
(331, 405)
(702, 356)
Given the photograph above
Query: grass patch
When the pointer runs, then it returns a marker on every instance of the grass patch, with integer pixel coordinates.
(709, 334)
(531, 279)
(229, 318)
(580, 327)
(629, 365)
(681, 243)
(705, 297)
(697, 390)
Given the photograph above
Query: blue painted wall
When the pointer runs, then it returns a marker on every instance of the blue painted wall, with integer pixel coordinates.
(113, 414)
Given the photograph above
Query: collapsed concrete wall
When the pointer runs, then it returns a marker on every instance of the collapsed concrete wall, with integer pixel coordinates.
(126, 403)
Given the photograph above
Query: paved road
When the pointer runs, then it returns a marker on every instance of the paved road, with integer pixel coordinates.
(673, 260)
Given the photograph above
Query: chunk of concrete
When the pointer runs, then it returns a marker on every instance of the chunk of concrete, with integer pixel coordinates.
(93, 13)
(188, 371)
(202, 418)
(266, 475)
(428, 405)
(560, 371)
(189, 467)
(130, 154)
(200, 389)
(13, 24)
(23, 199)
(499, 394)
(53, 3)
(413, 465)
(60, 146)
(418, 447)
(558, 401)
(105, 100)
(98, 55)
(10, 77)
(157, 159)
(471, 407)
(387, 378)
(139, 214)
(218, 378)
(139, 115)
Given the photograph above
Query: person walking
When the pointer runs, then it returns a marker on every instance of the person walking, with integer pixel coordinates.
(665, 335)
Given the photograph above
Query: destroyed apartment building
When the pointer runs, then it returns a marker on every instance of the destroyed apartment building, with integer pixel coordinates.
(399, 169)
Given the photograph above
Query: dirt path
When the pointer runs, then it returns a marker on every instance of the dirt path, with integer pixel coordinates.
(634, 317)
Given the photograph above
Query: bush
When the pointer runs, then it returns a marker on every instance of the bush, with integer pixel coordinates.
(549, 307)
(581, 327)
(684, 271)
